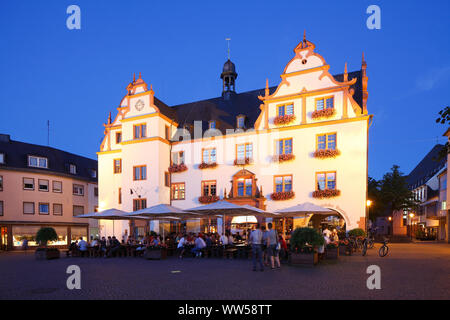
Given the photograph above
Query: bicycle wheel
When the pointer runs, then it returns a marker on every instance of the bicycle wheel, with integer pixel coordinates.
(371, 244)
(383, 251)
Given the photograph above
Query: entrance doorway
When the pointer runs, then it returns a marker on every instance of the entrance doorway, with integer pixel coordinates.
(3, 238)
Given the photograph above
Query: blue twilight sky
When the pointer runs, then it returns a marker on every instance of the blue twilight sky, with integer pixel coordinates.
(75, 77)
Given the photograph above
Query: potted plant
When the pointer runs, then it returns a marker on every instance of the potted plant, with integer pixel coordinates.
(332, 250)
(303, 243)
(43, 236)
(357, 232)
(344, 247)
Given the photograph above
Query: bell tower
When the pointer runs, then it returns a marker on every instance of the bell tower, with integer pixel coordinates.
(228, 76)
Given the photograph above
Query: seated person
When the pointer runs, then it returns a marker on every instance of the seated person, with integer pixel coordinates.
(238, 237)
(73, 248)
(199, 246)
(181, 246)
(115, 247)
(82, 246)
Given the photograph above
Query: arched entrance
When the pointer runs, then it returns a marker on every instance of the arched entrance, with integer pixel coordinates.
(332, 221)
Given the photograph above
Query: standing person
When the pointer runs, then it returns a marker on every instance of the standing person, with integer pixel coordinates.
(283, 247)
(272, 247)
(256, 241)
(264, 245)
(82, 246)
(181, 246)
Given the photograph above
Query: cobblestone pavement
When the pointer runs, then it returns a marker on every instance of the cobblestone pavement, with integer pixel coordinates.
(410, 271)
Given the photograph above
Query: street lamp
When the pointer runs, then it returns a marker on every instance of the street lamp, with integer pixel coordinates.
(368, 204)
(411, 215)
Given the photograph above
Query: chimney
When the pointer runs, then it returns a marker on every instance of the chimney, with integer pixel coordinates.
(5, 137)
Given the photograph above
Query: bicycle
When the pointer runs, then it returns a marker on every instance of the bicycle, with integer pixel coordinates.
(364, 246)
(384, 249)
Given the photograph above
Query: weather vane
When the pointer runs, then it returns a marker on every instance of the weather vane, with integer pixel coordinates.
(228, 43)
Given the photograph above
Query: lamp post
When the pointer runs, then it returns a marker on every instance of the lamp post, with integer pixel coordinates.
(391, 231)
(368, 204)
(411, 216)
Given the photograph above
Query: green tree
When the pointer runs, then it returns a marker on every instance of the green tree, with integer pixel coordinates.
(394, 191)
(444, 118)
(377, 207)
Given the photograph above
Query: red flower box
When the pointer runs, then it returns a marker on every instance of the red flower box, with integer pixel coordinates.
(208, 199)
(177, 168)
(286, 119)
(325, 113)
(328, 193)
(327, 153)
(279, 196)
(204, 165)
(241, 162)
(283, 157)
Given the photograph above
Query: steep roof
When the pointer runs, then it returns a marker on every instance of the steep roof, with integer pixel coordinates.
(16, 157)
(426, 168)
(225, 111)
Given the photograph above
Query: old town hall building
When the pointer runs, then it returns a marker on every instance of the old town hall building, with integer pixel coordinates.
(305, 140)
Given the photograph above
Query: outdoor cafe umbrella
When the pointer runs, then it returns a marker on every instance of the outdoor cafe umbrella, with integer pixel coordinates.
(224, 208)
(109, 214)
(302, 209)
(161, 211)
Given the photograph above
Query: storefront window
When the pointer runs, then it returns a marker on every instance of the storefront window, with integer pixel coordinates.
(77, 233)
(21, 233)
(62, 237)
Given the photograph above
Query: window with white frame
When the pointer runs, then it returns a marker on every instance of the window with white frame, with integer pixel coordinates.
(72, 169)
(78, 189)
(178, 157)
(209, 155)
(37, 162)
(2, 158)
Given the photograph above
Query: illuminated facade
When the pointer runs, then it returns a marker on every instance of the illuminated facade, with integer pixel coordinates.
(42, 186)
(304, 140)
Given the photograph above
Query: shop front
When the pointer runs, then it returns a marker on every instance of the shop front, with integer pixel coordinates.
(18, 235)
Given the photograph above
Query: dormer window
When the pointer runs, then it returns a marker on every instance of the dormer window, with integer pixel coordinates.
(93, 173)
(37, 162)
(240, 122)
(212, 124)
(72, 169)
(2, 158)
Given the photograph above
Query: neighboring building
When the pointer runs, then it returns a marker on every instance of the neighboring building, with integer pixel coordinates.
(428, 182)
(305, 140)
(447, 198)
(43, 186)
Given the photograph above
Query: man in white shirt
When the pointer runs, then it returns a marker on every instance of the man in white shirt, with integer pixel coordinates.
(200, 244)
(224, 239)
(82, 246)
(326, 232)
(256, 241)
(180, 246)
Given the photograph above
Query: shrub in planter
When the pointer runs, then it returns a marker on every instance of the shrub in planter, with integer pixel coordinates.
(326, 153)
(43, 236)
(155, 253)
(286, 119)
(344, 247)
(208, 199)
(303, 243)
(241, 162)
(205, 165)
(286, 195)
(357, 232)
(333, 250)
(327, 193)
(326, 113)
(283, 157)
(177, 168)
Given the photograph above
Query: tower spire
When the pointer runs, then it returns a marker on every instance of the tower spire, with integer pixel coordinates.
(267, 87)
(134, 77)
(345, 73)
(228, 45)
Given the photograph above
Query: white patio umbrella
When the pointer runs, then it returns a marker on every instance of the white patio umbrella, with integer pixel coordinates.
(109, 214)
(225, 208)
(302, 209)
(162, 212)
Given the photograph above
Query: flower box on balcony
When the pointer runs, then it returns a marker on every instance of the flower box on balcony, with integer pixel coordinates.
(282, 120)
(177, 168)
(242, 162)
(327, 193)
(205, 165)
(326, 113)
(279, 196)
(283, 157)
(208, 199)
(326, 153)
